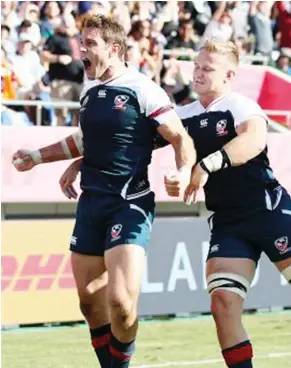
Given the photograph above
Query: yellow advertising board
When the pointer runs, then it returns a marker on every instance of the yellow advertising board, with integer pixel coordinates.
(37, 280)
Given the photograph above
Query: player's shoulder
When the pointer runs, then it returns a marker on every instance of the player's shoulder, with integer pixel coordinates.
(235, 101)
(138, 81)
(189, 110)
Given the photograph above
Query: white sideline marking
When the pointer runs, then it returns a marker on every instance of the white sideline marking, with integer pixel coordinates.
(209, 361)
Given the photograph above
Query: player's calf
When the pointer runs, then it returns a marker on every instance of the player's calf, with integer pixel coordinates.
(228, 291)
(125, 265)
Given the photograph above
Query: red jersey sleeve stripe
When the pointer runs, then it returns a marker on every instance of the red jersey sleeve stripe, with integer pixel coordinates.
(160, 111)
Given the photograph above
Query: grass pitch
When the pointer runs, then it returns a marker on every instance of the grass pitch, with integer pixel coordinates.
(172, 343)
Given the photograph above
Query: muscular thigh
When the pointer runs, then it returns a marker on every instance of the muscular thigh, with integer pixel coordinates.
(90, 276)
(125, 264)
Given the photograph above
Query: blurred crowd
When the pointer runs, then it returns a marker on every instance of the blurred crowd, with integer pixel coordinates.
(40, 58)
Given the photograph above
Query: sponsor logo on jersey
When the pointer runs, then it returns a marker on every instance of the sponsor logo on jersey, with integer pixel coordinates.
(282, 244)
(221, 127)
(115, 231)
(120, 101)
(203, 123)
(102, 93)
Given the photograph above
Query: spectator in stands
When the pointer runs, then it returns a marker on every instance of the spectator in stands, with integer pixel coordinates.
(142, 10)
(239, 14)
(185, 39)
(50, 18)
(284, 9)
(32, 29)
(30, 14)
(9, 81)
(132, 54)
(156, 32)
(6, 42)
(220, 26)
(120, 13)
(140, 32)
(261, 26)
(66, 71)
(167, 14)
(243, 47)
(156, 53)
(26, 65)
(10, 17)
(284, 63)
(176, 83)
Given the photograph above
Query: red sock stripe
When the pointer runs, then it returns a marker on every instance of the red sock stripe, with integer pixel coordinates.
(118, 354)
(99, 342)
(238, 355)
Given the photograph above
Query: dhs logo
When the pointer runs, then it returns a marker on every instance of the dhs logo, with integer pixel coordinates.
(221, 127)
(282, 245)
(120, 101)
(115, 231)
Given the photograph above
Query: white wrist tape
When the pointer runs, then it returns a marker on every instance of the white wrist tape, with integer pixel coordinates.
(36, 156)
(216, 161)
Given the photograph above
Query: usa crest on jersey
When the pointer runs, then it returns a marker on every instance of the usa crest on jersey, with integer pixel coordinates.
(120, 101)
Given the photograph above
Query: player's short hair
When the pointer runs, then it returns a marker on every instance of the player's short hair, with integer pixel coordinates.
(110, 30)
(227, 48)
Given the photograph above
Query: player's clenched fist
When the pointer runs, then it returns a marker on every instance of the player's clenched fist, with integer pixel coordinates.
(176, 183)
(24, 160)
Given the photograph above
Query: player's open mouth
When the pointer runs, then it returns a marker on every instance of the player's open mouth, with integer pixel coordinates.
(87, 63)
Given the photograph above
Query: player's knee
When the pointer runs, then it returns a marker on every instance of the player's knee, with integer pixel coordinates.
(227, 294)
(90, 310)
(122, 307)
(222, 306)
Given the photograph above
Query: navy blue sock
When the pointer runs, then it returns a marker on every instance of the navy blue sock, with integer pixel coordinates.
(100, 338)
(121, 353)
(239, 356)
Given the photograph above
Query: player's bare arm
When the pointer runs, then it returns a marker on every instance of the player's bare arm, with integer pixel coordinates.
(183, 145)
(185, 154)
(66, 149)
(251, 140)
(69, 176)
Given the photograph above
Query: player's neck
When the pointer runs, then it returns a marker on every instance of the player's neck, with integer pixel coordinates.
(113, 71)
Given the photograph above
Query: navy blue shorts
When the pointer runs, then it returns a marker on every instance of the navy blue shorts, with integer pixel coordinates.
(265, 230)
(105, 221)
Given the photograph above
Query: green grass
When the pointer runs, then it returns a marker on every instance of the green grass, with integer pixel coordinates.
(158, 342)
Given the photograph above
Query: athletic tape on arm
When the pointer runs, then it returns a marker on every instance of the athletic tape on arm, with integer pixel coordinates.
(73, 145)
